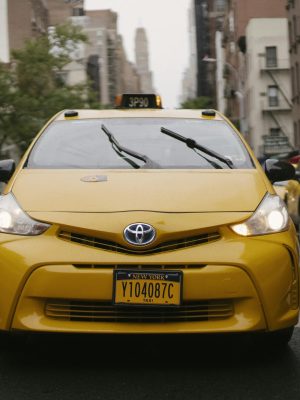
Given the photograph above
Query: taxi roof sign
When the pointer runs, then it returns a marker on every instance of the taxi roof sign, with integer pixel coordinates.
(138, 101)
(71, 114)
(209, 113)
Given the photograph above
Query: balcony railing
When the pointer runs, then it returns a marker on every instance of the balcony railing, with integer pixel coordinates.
(276, 144)
(275, 64)
(271, 105)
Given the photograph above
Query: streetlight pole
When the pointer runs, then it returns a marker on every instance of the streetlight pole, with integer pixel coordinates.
(238, 93)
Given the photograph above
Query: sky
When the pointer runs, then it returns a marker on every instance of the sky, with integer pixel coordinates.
(166, 24)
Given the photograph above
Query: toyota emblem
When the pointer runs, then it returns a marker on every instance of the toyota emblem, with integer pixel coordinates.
(139, 234)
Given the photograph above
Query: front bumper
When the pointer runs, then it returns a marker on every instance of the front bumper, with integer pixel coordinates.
(256, 278)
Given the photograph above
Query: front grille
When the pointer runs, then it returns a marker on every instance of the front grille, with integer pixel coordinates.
(116, 247)
(149, 267)
(106, 312)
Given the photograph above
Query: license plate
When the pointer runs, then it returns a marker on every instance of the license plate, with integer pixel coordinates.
(147, 287)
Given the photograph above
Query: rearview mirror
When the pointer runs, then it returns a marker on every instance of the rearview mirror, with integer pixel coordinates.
(279, 170)
(7, 168)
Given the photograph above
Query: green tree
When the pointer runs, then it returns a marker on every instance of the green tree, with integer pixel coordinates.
(33, 90)
(201, 102)
(7, 108)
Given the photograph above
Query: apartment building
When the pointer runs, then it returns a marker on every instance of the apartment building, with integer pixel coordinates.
(102, 59)
(142, 60)
(189, 81)
(19, 21)
(238, 15)
(205, 86)
(106, 63)
(101, 29)
(61, 10)
(293, 12)
(216, 14)
(129, 78)
(267, 86)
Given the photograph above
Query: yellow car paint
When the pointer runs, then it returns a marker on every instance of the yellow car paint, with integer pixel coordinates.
(248, 284)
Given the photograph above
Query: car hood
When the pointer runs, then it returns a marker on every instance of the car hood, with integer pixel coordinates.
(92, 191)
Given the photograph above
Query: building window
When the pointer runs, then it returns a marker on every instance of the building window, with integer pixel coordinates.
(62, 76)
(296, 141)
(78, 12)
(293, 83)
(273, 96)
(231, 22)
(297, 81)
(274, 132)
(220, 5)
(271, 56)
(290, 33)
(290, 4)
(295, 27)
(232, 47)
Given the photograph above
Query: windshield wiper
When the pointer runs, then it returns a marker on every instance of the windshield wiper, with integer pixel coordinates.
(191, 143)
(119, 149)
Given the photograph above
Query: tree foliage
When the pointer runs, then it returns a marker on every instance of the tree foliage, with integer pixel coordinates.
(32, 88)
(7, 101)
(198, 103)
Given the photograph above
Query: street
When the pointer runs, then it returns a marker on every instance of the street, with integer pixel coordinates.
(147, 367)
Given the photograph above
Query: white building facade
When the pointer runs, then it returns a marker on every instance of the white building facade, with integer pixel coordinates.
(189, 82)
(142, 61)
(267, 87)
(100, 26)
(4, 38)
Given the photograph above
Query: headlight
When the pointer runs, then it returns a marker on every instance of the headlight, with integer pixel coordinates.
(271, 216)
(14, 220)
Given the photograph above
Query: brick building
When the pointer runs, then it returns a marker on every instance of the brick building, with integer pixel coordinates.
(19, 21)
(61, 10)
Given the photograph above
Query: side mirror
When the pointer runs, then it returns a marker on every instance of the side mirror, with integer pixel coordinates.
(7, 168)
(279, 170)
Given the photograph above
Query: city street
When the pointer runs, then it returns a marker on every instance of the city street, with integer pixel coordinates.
(120, 367)
(149, 186)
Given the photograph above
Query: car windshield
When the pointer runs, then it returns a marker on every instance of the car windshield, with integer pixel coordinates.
(83, 144)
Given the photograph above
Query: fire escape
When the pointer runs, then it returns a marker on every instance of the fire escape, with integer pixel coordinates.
(276, 105)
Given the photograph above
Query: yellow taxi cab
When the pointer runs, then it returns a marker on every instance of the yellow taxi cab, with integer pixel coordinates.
(146, 220)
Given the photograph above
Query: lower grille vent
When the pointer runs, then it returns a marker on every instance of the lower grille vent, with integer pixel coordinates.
(140, 266)
(106, 312)
(117, 248)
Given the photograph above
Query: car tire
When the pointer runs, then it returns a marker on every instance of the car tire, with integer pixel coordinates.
(275, 339)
